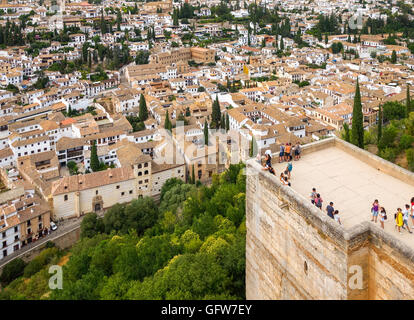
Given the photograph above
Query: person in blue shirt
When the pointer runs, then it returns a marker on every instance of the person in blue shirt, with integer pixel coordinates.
(289, 169)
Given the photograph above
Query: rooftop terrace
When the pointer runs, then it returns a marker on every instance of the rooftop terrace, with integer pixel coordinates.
(352, 178)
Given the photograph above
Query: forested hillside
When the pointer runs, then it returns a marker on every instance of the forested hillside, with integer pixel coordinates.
(189, 246)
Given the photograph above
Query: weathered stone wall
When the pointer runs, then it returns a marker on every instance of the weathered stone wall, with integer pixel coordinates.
(294, 252)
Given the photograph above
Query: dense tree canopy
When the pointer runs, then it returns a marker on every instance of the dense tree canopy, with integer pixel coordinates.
(190, 246)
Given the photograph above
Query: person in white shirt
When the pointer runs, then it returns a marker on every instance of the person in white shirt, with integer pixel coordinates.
(383, 215)
(336, 216)
(406, 214)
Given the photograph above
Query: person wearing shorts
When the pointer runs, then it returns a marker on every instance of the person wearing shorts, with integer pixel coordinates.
(297, 151)
(318, 201)
(312, 195)
(382, 214)
(287, 152)
(281, 153)
(406, 214)
(374, 211)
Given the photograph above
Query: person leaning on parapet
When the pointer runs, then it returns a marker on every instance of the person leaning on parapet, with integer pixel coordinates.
(336, 216)
(281, 153)
(330, 210)
(297, 151)
(312, 195)
(268, 163)
(288, 148)
(284, 179)
(318, 201)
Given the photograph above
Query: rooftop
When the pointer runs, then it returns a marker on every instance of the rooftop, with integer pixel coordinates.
(343, 177)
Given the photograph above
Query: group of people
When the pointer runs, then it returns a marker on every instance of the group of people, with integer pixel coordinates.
(401, 217)
(284, 175)
(317, 200)
(287, 152)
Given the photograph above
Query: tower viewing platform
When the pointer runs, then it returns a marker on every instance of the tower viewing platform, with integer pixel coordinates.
(295, 251)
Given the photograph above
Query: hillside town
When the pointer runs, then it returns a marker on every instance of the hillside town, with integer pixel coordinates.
(96, 95)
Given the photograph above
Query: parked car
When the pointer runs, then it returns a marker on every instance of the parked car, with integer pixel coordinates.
(53, 226)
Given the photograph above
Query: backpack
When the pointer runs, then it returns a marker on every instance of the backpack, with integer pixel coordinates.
(385, 217)
(318, 201)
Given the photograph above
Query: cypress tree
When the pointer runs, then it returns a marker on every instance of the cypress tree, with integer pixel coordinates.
(394, 57)
(193, 176)
(347, 135)
(357, 137)
(408, 102)
(216, 114)
(227, 122)
(205, 133)
(253, 147)
(143, 111)
(223, 122)
(167, 123)
(94, 158)
(379, 125)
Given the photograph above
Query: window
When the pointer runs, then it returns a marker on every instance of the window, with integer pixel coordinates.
(146, 164)
(4, 244)
(96, 192)
(16, 229)
(29, 223)
(4, 235)
(117, 187)
(130, 191)
(65, 197)
(4, 253)
(122, 193)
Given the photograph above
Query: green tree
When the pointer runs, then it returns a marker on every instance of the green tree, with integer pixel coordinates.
(408, 102)
(379, 124)
(205, 133)
(389, 134)
(167, 122)
(393, 110)
(95, 165)
(357, 137)
(347, 136)
(193, 179)
(91, 225)
(216, 114)
(227, 122)
(143, 111)
(11, 271)
(410, 158)
(253, 147)
(394, 56)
